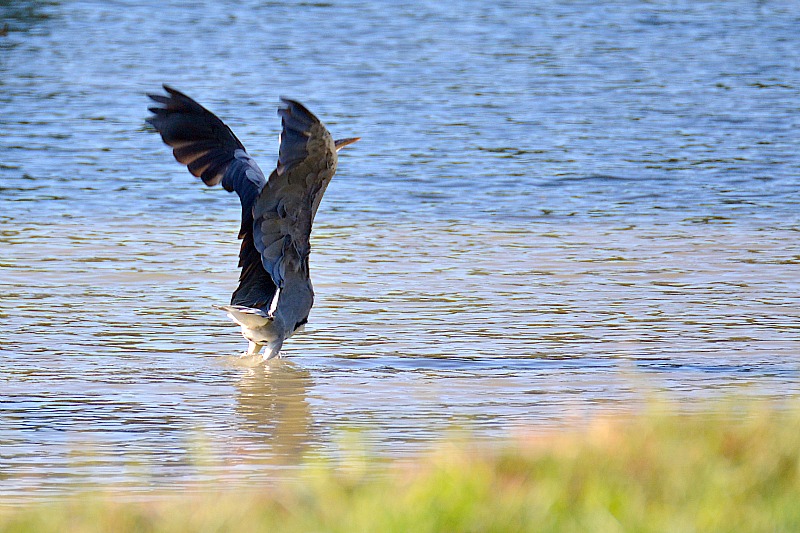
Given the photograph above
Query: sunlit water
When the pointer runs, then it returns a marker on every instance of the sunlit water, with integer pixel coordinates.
(554, 211)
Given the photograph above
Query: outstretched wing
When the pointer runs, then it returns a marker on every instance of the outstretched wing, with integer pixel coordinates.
(284, 211)
(211, 151)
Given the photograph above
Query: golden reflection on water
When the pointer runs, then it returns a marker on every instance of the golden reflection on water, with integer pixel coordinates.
(109, 337)
(272, 404)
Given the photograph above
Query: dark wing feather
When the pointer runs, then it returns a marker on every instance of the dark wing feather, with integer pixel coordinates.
(199, 139)
(211, 151)
(284, 211)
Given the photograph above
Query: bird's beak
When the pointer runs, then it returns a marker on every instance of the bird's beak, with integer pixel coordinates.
(341, 143)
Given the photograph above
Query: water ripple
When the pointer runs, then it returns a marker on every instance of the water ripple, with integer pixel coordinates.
(554, 210)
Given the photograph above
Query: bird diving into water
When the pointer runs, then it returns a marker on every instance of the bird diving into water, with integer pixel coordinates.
(275, 293)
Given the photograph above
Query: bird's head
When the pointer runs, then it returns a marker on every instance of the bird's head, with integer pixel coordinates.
(341, 143)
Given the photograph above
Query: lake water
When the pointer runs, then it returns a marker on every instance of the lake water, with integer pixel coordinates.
(556, 209)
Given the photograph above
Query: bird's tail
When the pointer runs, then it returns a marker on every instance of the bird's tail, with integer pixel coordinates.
(248, 317)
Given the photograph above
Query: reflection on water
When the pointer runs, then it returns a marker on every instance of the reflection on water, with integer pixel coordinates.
(551, 211)
(271, 401)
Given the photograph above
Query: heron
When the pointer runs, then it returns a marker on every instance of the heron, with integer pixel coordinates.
(275, 294)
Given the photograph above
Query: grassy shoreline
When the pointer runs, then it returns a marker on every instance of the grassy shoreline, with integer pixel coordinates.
(737, 469)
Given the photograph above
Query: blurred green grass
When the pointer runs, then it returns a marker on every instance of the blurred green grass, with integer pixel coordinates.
(736, 469)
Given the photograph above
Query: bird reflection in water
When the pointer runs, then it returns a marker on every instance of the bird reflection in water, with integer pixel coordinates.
(272, 403)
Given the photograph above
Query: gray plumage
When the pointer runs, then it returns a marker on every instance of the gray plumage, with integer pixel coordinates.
(275, 293)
